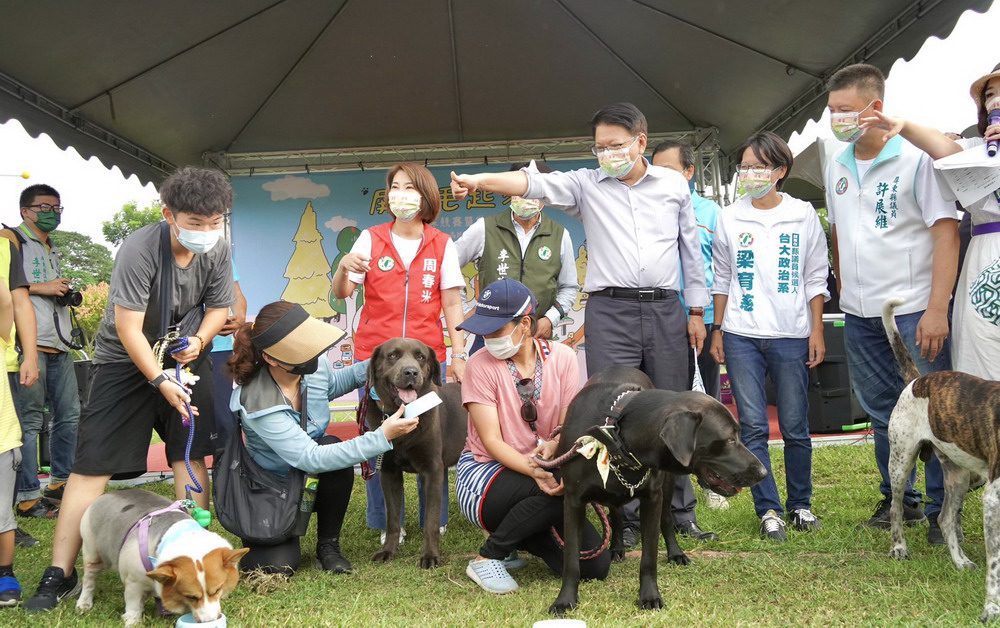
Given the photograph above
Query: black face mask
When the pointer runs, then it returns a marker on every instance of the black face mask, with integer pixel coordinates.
(306, 368)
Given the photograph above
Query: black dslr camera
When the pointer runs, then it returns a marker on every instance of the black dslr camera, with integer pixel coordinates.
(72, 298)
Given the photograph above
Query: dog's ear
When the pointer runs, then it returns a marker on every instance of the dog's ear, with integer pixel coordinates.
(434, 367)
(372, 361)
(164, 574)
(231, 558)
(680, 434)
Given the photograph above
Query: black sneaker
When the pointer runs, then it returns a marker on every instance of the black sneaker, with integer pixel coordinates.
(23, 539)
(54, 494)
(54, 587)
(329, 558)
(630, 537)
(690, 528)
(41, 509)
(804, 520)
(772, 527)
(934, 534)
(912, 515)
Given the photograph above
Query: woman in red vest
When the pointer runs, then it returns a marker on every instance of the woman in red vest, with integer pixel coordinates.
(410, 273)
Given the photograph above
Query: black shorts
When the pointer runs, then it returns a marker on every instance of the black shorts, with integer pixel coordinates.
(121, 413)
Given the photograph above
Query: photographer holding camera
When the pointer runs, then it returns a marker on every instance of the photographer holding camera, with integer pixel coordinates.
(51, 295)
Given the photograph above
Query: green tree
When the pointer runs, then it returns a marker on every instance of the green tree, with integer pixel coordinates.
(129, 219)
(83, 261)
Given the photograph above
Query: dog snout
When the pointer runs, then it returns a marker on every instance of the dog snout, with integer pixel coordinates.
(410, 373)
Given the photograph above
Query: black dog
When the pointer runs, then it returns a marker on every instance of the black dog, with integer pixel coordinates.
(662, 433)
(401, 370)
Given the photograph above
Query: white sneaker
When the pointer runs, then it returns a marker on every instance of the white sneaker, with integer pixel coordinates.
(715, 501)
(402, 536)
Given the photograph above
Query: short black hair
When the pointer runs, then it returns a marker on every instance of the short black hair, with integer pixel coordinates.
(861, 76)
(30, 193)
(541, 165)
(772, 150)
(197, 191)
(623, 114)
(687, 153)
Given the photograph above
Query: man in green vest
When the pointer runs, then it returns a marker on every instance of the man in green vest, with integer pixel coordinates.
(525, 245)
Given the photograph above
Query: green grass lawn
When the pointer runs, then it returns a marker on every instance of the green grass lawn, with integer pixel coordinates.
(840, 575)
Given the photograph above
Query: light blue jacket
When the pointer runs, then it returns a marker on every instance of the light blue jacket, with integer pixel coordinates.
(276, 440)
(706, 215)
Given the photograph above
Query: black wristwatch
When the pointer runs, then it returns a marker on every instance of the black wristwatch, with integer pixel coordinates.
(159, 379)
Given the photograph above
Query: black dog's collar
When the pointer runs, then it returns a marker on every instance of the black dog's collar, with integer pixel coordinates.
(617, 451)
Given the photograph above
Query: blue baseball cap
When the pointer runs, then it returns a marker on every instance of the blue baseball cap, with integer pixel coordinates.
(499, 303)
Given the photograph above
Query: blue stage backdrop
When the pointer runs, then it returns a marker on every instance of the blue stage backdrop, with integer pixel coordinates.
(290, 231)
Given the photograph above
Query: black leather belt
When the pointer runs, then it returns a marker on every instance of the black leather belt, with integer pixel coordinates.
(636, 294)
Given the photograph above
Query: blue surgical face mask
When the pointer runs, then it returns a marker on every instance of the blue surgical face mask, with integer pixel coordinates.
(198, 242)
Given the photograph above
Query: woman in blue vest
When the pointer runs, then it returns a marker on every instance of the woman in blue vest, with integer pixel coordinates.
(280, 365)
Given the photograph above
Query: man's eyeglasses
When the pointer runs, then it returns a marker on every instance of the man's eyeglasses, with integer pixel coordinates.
(597, 150)
(526, 389)
(45, 207)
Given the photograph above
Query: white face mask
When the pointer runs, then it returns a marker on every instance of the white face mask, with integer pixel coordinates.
(525, 208)
(845, 125)
(404, 204)
(616, 162)
(198, 242)
(504, 347)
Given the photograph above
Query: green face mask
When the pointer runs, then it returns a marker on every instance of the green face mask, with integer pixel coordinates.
(47, 221)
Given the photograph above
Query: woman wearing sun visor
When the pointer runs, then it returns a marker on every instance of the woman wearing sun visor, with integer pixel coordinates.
(279, 363)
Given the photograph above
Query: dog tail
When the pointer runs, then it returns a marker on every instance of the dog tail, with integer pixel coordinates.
(907, 367)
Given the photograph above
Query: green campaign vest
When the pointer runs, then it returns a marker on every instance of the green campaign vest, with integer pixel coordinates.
(539, 270)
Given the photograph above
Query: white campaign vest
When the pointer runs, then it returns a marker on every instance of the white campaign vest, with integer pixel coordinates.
(767, 287)
(884, 244)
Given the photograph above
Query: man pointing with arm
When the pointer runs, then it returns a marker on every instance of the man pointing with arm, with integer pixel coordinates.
(641, 235)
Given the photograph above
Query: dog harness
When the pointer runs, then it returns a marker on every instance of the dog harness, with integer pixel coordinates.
(141, 528)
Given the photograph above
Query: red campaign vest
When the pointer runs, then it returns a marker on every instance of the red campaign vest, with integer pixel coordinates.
(401, 303)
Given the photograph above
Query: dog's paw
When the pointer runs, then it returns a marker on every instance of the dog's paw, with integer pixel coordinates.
(679, 559)
(651, 602)
(561, 606)
(83, 605)
(132, 619)
(617, 555)
(429, 561)
(384, 555)
(899, 552)
(991, 611)
(965, 564)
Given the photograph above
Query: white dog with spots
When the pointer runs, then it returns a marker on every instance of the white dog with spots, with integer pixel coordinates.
(957, 416)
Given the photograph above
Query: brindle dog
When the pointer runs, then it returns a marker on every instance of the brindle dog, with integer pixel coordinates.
(957, 416)
(401, 370)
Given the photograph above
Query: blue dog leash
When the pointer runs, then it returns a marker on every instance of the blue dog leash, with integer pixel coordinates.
(201, 515)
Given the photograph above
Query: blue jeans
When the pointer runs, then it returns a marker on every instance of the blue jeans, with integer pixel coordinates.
(748, 360)
(876, 381)
(375, 509)
(57, 385)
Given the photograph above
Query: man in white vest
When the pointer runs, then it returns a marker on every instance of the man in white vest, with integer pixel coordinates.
(894, 235)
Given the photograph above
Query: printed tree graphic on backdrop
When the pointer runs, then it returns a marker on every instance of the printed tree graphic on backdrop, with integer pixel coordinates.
(308, 270)
(345, 240)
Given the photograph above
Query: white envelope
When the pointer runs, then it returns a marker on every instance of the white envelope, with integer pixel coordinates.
(421, 405)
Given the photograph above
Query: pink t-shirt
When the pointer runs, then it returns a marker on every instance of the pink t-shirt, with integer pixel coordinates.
(488, 381)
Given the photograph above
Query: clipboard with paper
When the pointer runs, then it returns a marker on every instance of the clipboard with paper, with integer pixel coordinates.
(971, 175)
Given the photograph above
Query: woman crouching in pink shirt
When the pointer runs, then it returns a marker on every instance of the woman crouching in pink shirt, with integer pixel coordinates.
(517, 392)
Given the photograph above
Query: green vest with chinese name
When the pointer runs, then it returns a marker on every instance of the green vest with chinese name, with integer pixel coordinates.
(539, 270)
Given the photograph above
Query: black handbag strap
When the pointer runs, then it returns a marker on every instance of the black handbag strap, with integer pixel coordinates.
(166, 278)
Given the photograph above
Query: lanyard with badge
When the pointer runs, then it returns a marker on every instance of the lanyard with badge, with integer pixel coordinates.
(529, 389)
